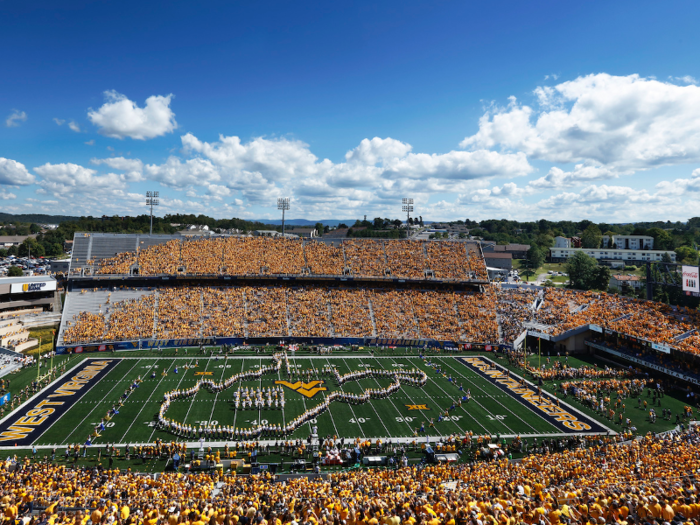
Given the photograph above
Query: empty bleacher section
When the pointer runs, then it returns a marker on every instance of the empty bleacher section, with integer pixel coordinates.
(143, 255)
(15, 336)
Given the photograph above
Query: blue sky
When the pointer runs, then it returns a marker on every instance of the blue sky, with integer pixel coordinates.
(518, 110)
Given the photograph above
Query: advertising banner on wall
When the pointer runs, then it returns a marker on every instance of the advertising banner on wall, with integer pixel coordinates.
(29, 286)
(691, 283)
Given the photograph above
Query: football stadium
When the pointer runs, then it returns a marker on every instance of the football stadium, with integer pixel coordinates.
(253, 364)
(349, 263)
(218, 341)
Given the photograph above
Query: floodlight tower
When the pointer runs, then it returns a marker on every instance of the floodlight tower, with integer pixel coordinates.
(283, 204)
(151, 200)
(408, 208)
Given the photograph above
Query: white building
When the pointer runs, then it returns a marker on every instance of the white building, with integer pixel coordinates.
(629, 242)
(562, 242)
(610, 256)
(617, 281)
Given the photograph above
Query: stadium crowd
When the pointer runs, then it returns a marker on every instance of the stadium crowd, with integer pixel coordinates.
(260, 255)
(279, 311)
(317, 311)
(637, 482)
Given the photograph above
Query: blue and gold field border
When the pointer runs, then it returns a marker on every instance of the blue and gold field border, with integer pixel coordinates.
(27, 423)
(563, 416)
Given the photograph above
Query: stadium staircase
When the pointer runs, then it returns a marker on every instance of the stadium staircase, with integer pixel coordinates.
(245, 318)
(201, 313)
(415, 320)
(371, 316)
(498, 324)
(331, 328)
(386, 258)
(459, 321)
(286, 309)
(155, 315)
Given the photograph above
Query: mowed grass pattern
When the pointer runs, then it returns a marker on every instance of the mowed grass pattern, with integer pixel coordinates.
(491, 411)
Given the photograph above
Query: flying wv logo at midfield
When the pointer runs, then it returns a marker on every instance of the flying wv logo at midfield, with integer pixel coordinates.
(305, 389)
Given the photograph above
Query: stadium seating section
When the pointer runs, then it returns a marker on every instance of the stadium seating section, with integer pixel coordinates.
(455, 261)
(493, 316)
(599, 482)
(278, 311)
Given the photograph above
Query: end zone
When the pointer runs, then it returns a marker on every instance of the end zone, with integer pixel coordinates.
(28, 422)
(562, 415)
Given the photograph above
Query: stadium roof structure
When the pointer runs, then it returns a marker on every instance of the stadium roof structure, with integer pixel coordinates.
(25, 278)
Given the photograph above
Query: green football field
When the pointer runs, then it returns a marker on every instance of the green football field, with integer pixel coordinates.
(491, 410)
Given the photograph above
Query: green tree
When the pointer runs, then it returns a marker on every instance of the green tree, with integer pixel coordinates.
(600, 278)
(14, 271)
(686, 255)
(319, 229)
(544, 241)
(535, 257)
(580, 268)
(30, 246)
(591, 237)
(662, 239)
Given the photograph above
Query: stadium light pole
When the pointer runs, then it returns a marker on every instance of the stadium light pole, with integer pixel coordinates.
(408, 208)
(151, 200)
(283, 204)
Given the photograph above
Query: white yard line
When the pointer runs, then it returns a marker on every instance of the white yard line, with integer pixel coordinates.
(213, 406)
(411, 429)
(184, 420)
(370, 403)
(493, 398)
(99, 402)
(235, 413)
(145, 403)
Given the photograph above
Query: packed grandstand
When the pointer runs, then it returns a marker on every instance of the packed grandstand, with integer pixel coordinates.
(459, 306)
(634, 482)
(453, 261)
(593, 479)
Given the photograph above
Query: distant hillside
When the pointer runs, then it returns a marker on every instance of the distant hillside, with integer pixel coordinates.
(311, 224)
(36, 218)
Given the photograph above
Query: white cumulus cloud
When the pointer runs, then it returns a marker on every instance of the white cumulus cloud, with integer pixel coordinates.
(120, 117)
(68, 179)
(14, 173)
(133, 168)
(376, 166)
(620, 122)
(557, 178)
(13, 120)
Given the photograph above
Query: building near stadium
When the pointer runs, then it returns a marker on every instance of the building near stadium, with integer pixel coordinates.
(610, 256)
(19, 295)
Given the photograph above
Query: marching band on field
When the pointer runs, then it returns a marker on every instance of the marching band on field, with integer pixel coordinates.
(273, 397)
